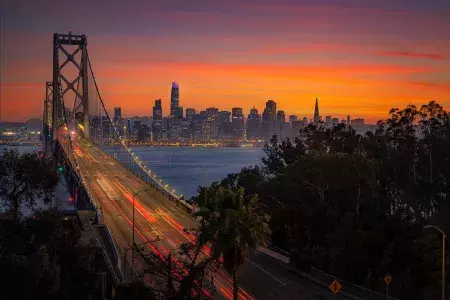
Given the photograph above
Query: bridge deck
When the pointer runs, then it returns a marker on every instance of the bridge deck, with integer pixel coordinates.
(156, 215)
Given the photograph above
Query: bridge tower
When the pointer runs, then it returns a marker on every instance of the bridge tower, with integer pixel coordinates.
(63, 80)
(48, 115)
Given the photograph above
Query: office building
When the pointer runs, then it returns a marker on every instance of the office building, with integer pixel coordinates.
(292, 118)
(268, 119)
(335, 121)
(174, 127)
(143, 133)
(237, 121)
(190, 112)
(157, 124)
(186, 129)
(210, 128)
(348, 121)
(117, 120)
(253, 125)
(157, 110)
(296, 127)
(357, 122)
(281, 116)
(225, 126)
(197, 127)
(281, 128)
(117, 112)
(328, 119)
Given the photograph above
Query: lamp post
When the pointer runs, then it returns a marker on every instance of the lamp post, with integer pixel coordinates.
(133, 244)
(444, 236)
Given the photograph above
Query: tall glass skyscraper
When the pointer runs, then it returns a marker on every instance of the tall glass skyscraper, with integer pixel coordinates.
(175, 109)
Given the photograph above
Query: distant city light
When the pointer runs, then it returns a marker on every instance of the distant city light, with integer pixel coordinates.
(9, 133)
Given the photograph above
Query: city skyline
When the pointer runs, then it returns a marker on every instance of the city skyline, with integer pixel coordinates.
(214, 125)
(166, 111)
(177, 110)
(358, 58)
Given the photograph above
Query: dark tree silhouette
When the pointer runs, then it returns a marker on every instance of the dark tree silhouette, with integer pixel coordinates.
(25, 179)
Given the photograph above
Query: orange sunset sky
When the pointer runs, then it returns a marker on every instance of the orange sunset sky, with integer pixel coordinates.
(359, 57)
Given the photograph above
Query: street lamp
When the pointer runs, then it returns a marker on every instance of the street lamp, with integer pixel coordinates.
(133, 245)
(444, 236)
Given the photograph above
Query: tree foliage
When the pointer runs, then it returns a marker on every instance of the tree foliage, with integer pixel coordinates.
(233, 224)
(25, 179)
(42, 257)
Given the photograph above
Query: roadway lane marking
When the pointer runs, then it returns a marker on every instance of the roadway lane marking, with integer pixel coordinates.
(285, 284)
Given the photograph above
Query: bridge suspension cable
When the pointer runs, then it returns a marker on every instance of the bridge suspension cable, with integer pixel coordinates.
(131, 161)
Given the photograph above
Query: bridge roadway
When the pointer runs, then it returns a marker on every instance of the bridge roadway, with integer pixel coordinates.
(262, 277)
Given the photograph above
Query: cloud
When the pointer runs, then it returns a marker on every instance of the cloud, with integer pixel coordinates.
(415, 55)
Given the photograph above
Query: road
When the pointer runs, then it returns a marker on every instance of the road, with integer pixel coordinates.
(112, 187)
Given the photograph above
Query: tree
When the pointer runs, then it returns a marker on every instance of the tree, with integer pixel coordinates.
(25, 179)
(41, 256)
(185, 273)
(235, 226)
(135, 290)
(274, 160)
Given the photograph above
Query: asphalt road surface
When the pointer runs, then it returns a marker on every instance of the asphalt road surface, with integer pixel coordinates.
(112, 187)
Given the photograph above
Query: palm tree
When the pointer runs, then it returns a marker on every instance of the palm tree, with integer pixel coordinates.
(235, 227)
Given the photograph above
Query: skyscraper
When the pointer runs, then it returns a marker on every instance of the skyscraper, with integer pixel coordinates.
(316, 111)
(197, 127)
(237, 122)
(175, 109)
(253, 125)
(348, 121)
(225, 127)
(157, 125)
(281, 116)
(117, 120)
(157, 110)
(282, 129)
(117, 112)
(296, 127)
(268, 119)
(190, 112)
(328, 119)
(211, 124)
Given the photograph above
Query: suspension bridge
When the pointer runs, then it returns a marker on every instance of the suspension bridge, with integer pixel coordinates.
(106, 179)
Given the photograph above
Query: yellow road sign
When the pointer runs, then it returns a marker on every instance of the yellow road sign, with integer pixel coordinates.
(388, 278)
(335, 286)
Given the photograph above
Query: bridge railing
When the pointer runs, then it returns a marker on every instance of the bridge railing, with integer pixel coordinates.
(137, 166)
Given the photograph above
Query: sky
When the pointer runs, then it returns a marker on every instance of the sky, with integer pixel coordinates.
(360, 58)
